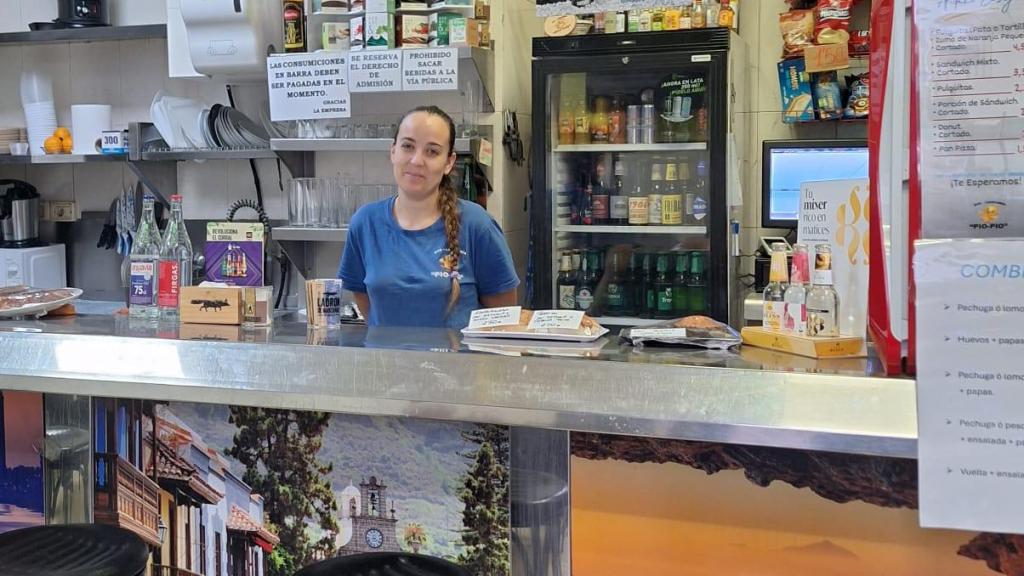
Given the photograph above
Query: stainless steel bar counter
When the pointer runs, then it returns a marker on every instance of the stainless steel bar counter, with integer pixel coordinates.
(752, 397)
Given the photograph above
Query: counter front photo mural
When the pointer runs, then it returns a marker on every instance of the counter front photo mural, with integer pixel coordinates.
(21, 470)
(678, 508)
(252, 491)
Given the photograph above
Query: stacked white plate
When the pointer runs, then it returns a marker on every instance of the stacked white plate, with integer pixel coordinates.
(41, 119)
(9, 136)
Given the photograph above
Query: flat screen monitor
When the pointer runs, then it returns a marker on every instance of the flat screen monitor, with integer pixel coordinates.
(786, 164)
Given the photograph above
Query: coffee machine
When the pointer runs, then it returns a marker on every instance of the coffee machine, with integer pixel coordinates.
(83, 13)
(19, 214)
(24, 259)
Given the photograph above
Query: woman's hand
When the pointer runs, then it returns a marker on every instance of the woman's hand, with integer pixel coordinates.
(500, 299)
(363, 301)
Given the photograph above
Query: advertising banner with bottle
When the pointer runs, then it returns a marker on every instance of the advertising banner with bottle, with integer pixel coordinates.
(971, 138)
(835, 213)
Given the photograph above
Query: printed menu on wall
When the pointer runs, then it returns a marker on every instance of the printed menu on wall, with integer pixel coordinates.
(971, 81)
(970, 384)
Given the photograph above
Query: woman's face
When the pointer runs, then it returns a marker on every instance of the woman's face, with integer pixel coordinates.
(419, 156)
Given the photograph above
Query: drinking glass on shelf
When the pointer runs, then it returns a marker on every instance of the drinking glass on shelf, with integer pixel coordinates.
(297, 198)
(345, 131)
(309, 201)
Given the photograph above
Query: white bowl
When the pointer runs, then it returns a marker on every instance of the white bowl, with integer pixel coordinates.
(19, 148)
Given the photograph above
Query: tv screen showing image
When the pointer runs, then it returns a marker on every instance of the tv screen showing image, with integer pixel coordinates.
(787, 164)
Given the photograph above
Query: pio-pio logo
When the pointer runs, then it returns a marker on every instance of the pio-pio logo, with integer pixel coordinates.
(989, 215)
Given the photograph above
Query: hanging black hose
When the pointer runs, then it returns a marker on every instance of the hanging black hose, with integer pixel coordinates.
(252, 163)
(252, 205)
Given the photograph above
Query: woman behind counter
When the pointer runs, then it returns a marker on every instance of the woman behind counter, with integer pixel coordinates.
(425, 257)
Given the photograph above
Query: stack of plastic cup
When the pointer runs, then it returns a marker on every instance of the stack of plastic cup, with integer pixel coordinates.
(40, 112)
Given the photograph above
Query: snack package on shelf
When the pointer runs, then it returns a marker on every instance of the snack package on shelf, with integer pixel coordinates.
(797, 28)
(860, 43)
(697, 331)
(828, 99)
(795, 87)
(859, 102)
(833, 22)
(514, 322)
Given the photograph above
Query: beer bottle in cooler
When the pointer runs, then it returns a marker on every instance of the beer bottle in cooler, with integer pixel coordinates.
(618, 287)
(656, 194)
(586, 284)
(638, 202)
(664, 304)
(680, 291)
(566, 283)
(672, 201)
(618, 201)
(696, 285)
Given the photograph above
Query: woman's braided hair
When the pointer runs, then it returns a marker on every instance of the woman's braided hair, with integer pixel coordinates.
(447, 203)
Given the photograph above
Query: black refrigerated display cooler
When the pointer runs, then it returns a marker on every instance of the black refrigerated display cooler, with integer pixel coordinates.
(625, 124)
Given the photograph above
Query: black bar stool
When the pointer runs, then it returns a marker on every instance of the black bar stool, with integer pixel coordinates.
(378, 563)
(72, 550)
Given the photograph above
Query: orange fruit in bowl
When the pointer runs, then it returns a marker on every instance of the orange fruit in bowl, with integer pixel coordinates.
(62, 133)
(53, 145)
(66, 145)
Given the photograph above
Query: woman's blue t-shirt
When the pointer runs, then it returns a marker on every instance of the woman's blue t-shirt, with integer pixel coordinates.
(403, 271)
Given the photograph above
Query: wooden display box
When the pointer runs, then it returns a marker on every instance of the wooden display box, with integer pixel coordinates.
(202, 305)
(841, 347)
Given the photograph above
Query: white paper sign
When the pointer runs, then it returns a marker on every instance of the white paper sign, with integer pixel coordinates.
(309, 86)
(655, 333)
(971, 78)
(835, 212)
(546, 319)
(431, 69)
(491, 317)
(970, 384)
(375, 71)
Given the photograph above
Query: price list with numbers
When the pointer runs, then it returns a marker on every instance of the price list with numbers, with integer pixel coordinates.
(971, 83)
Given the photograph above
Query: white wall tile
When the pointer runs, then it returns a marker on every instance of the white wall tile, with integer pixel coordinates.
(11, 114)
(97, 184)
(53, 181)
(12, 171)
(143, 66)
(10, 17)
(54, 61)
(349, 165)
(96, 77)
(768, 52)
(203, 188)
(377, 168)
(36, 11)
(137, 12)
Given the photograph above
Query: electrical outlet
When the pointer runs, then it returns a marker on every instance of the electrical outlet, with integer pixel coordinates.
(63, 211)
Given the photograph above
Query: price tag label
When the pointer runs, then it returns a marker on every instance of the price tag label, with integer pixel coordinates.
(655, 333)
(486, 155)
(113, 142)
(548, 319)
(491, 317)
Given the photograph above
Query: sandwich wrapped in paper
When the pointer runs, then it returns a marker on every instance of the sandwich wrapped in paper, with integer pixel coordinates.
(699, 331)
(514, 322)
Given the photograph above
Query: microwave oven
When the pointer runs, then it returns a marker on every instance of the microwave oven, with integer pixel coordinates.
(38, 267)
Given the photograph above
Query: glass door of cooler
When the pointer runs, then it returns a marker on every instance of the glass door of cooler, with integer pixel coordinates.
(631, 152)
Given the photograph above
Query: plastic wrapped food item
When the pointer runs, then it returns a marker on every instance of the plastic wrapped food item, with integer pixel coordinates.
(833, 26)
(697, 331)
(797, 31)
(828, 99)
(859, 102)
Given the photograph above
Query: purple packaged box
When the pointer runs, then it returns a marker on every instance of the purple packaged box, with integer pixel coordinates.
(234, 253)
